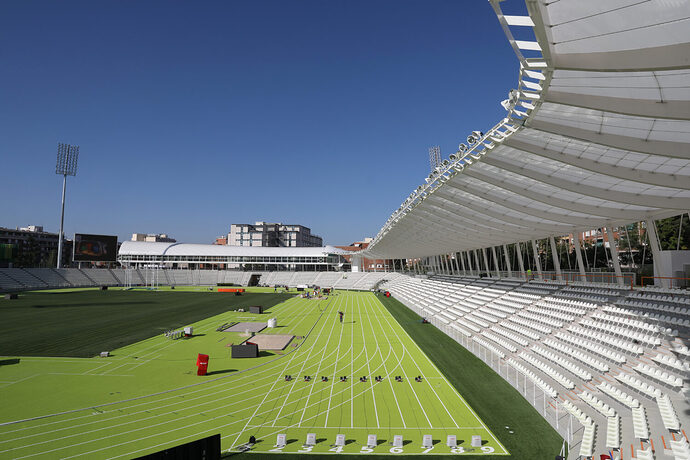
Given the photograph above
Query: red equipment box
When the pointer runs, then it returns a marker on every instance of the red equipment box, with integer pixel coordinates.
(201, 364)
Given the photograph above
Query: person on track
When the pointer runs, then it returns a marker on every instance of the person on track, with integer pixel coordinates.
(341, 314)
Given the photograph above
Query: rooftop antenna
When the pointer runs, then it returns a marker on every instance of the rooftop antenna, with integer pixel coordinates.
(67, 156)
(434, 157)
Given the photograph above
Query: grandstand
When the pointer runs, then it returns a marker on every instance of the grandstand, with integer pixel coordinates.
(21, 279)
(596, 136)
(622, 373)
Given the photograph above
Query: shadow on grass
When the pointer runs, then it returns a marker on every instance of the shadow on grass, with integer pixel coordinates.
(222, 371)
(92, 304)
(6, 362)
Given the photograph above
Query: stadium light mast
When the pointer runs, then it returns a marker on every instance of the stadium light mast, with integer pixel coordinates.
(67, 156)
(434, 157)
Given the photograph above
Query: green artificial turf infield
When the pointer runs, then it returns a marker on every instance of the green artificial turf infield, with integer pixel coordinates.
(147, 396)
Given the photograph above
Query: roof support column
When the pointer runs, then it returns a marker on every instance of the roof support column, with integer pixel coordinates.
(486, 262)
(452, 258)
(656, 253)
(457, 264)
(507, 257)
(493, 252)
(521, 263)
(554, 255)
(578, 254)
(444, 262)
(476, 260)
(462, 262)
(614, 256)
(537, 260)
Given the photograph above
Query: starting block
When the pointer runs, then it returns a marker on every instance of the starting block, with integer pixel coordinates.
(371, 441)
(281, 441)
(311, 440)
(339, 441)
(427, 442)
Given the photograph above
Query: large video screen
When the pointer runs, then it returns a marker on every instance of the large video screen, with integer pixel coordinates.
(95, 248)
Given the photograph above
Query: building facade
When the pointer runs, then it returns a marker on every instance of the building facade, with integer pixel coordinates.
(224, 257)
(153, 238)
(31, 246)
(264, 234)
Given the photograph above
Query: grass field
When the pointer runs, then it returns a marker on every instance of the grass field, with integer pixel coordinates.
(147, 396)
(84, 322)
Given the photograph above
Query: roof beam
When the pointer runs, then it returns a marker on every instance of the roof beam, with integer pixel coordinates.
(525, 227)
(634, 144)
(676, 110)
(488, 196)
(597, 192)
(603, 211)
(621, 172)
(668, 57)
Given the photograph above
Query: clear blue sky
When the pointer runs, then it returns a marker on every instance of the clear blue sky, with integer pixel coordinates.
(192, 116)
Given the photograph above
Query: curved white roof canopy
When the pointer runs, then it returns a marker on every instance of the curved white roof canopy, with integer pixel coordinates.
(130, 248)
(598, 136)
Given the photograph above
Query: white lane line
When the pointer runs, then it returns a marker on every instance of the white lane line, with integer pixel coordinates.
(457, 394)
(371, 377)
(395, 397)
(270, 367)
(264, 399)
(316, 376)
(335, 370)
(352, 364)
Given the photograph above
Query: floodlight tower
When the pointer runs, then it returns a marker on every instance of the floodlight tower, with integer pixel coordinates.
(67, 156)
(434, 157)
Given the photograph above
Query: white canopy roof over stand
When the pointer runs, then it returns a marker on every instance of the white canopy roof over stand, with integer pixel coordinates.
(597, 134)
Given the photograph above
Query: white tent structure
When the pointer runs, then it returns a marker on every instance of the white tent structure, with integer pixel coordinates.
(597, 135)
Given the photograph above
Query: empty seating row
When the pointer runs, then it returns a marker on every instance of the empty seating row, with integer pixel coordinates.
(668, 414)
(564, 363)
(593, 347)
(640, 422)
(613, 432)
(673, 362)
(622, 331)
(531, 324)
(514, 337)
(548, 370)
(602, 337)
(659, 375)
(618, 395)
(597, 404)
(577, 354)
(639, 385)
(548, 389)
(504, 343)
(489, 346)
